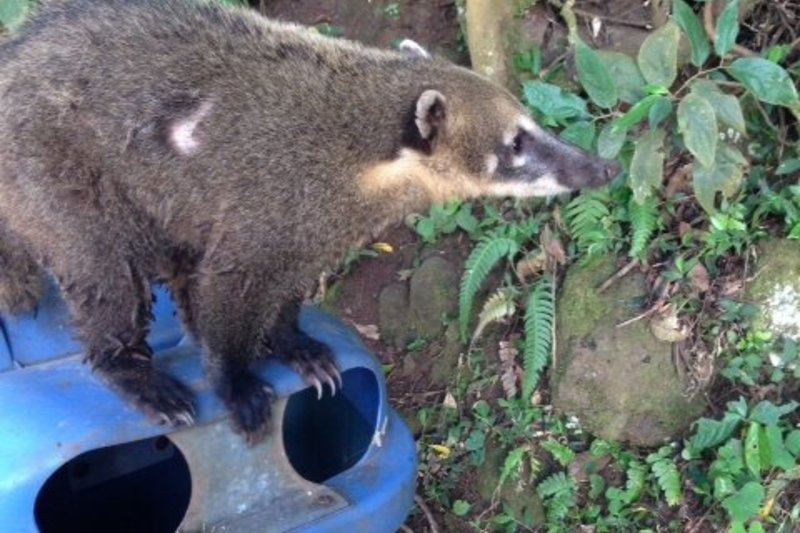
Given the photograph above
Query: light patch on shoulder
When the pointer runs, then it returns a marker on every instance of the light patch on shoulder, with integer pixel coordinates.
(182, 133)
(544, 186)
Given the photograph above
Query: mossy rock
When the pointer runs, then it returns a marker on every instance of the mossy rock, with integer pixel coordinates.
(620, 382)
(776, 288)
(432, 296)
(519, 497)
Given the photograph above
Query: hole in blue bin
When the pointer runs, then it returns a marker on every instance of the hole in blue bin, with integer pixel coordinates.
(136, 487)
(325, 437)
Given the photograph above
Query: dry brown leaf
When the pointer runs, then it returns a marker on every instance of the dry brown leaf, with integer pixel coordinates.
(509, 369)
(531, 265)
(369, 331)
(553, 247)
(684, 228)
(699, 278)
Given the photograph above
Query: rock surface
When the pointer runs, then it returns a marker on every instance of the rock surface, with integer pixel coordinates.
(776, 288)
(433, 295)
(620, 382)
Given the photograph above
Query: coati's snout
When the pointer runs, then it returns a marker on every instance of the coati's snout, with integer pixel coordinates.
(533, 162)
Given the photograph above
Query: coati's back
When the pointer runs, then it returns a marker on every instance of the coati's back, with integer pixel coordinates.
(230, 157)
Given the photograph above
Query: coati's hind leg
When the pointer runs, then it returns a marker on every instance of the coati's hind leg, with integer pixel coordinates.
(310, 358)
(21, 279)
(110, 300)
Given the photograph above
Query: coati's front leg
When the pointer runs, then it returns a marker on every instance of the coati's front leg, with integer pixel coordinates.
(309, 358)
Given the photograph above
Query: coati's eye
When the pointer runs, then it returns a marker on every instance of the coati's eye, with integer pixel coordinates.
(516, 143)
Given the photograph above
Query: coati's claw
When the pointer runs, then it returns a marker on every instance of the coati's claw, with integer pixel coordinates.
(331, 384)
(317, 384)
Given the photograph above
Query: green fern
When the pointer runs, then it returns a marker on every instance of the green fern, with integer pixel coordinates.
(587, 216)
(498, 306)
(558, 494)
(668, 478)
(539, 315)
(479, 263)
(644, 221)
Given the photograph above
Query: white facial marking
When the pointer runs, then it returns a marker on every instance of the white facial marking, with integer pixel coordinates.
(519, 161)
(526, 123)
(544, 186)
(413, 47)
(181, 133)
(492, 161)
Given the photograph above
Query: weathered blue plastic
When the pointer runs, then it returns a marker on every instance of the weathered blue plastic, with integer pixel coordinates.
(53, 409)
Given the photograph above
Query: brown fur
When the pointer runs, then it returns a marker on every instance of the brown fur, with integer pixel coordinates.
(232, 158)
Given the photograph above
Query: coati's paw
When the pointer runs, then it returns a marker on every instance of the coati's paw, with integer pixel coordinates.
(164, 399)
(249, 401)
(314, 362)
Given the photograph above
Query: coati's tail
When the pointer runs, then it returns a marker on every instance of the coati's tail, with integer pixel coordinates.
(21, 279)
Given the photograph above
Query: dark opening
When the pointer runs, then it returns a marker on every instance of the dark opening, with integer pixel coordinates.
(137, 487)
(325, 437)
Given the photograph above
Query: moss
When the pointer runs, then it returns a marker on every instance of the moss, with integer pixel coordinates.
(776, 287)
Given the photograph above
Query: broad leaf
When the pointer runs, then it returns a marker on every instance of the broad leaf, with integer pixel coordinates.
(752, 449)
(727, 28)
(580, 134)
(658, 55)
(661, 109)
(693, 28)
(766, 80)
(637, 113)
(647, 166)
(625, 74)
(778, 453)
(726, 106)
(552, 101)
(768, 413)
(746, 503)
(698, 125)
(793, 442)
(594, 76)
(13, 12)
(610, 141)
(724, 175)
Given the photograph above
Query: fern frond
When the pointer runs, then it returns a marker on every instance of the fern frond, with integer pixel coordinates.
(478, 265)
(539, 316)
(669, 480)
(586, 216)
(558, 493)
(644, 221)
(498, 306)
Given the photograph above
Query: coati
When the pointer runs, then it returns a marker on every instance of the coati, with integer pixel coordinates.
(232, 158)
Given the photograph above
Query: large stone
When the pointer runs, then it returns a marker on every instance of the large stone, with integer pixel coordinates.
(393, 314)
(433, 296)
(620, 382)
(776, 288)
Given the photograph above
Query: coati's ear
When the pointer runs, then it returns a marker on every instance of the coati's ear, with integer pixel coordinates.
(413, 48)
(431, 113)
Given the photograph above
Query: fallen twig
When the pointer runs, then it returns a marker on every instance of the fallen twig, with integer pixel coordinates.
(428, 515)
(619, 274)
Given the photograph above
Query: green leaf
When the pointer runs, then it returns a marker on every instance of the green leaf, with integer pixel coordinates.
(724, 175)
(625, 74)
(480, 262)
(594, 76)
(793, 442)
(426, 229)
(727, 28)
(669, 480)
(659, 112)
(712, 432)
(787, 166)
(778, 453)
(552, 101)
(767, 81)
(644, 221)
(461, 508)
(647, 166)
(768, 413)
(610, 141)
(563, 454)
(752, 449)
(512, 463)
(580, 134)
(13, 12)
(466, 220)
(539, 316)
(637, 113)
(658, 55)
(726, 106)
(746, 503)
(698, 125)
(693, 28)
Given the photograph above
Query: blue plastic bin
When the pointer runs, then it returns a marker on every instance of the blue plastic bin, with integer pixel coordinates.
(75, 457)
